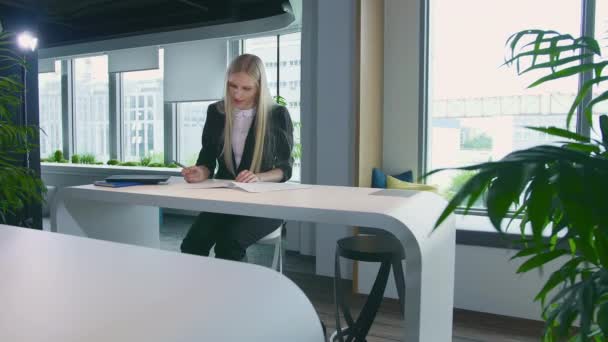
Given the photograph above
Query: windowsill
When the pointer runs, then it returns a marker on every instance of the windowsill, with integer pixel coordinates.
(478, 223)
(69, 168)
(477, 230)
(92, 168)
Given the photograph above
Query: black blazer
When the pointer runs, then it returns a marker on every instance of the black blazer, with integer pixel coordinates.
(277, 147)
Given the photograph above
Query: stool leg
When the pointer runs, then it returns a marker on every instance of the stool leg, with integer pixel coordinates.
(368, 313)
(400, 283)
(340, 303)
(281, 256)
(276, 259)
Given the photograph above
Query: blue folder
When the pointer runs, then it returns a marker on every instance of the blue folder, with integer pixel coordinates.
(116, 184)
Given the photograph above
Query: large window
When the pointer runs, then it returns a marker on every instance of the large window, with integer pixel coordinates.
(191, 118)
(283, 78)
(91, 107)
(478, 110)
(51, 137)
(142, 108)
(102, 95)
(266, 49)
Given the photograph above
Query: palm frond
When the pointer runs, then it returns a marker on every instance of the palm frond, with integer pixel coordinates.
(19, 186)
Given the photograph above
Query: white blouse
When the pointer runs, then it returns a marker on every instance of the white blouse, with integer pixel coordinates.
(241, 123)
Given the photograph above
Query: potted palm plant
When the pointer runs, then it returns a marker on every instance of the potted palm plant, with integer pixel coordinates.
(19, 186)
(559, 191)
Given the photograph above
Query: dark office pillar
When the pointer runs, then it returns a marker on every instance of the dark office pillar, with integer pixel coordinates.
(17, 20)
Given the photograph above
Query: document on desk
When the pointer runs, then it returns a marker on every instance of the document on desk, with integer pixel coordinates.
(249, 187)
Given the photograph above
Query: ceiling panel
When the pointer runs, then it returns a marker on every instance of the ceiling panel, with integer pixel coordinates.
(63, 22)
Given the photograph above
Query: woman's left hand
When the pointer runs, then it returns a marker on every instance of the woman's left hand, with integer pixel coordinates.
(247, 176)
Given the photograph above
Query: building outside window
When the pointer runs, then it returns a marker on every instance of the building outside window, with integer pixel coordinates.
(142, 112)
(266, 49)
(478, 109)
(91, 107)
(191, 118)
(49, 92)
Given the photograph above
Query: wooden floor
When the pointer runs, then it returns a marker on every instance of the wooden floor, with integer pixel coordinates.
(468, 326)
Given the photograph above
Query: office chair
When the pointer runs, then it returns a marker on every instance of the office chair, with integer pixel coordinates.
(275, 238)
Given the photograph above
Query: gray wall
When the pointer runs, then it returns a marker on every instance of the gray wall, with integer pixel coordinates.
(329, 42)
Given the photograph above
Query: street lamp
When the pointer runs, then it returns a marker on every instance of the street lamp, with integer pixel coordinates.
(27, 42)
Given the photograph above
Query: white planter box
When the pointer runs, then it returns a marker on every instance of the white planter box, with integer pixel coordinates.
(62, 175)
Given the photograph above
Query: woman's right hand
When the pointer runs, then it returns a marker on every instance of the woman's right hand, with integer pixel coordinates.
(195, 174)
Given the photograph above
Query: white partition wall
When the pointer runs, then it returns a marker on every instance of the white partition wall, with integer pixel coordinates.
(328, 65)
(125, 60)
(194, 71)
(46, 65)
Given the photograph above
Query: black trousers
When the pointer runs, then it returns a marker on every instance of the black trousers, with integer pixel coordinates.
(231, 234)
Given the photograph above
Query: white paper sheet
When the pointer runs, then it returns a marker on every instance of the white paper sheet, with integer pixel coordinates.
(265, 187)
(249, 187)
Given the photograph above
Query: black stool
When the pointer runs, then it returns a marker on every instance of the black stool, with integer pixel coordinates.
(385, 249)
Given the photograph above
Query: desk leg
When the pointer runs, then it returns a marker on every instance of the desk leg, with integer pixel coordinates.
(429, 286)
(132, 224)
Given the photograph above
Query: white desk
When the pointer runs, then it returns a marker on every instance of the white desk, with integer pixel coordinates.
(56, 287)
(131, 215)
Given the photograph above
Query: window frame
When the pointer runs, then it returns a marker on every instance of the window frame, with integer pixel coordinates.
(467, 236)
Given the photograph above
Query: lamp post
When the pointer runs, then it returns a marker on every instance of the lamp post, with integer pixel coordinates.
(27, 43)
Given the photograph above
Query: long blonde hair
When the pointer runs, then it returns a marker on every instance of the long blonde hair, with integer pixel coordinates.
(253, 66)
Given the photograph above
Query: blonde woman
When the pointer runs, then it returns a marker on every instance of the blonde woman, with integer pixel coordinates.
(249, 138)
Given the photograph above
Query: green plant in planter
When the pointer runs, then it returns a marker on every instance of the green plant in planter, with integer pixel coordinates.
(560, 193)
(156, 157)
(58, 156)
(87, 158)
(130, 163)
(19, 186)
(113, 162)
(145, 161)
(76, 159)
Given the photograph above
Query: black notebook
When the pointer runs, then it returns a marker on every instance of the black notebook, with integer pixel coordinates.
(142, 179)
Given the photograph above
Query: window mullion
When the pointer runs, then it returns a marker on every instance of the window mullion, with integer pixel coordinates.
(67, 118)
(278, 65)
(170, 127)
(588, 30)
(116, 117)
